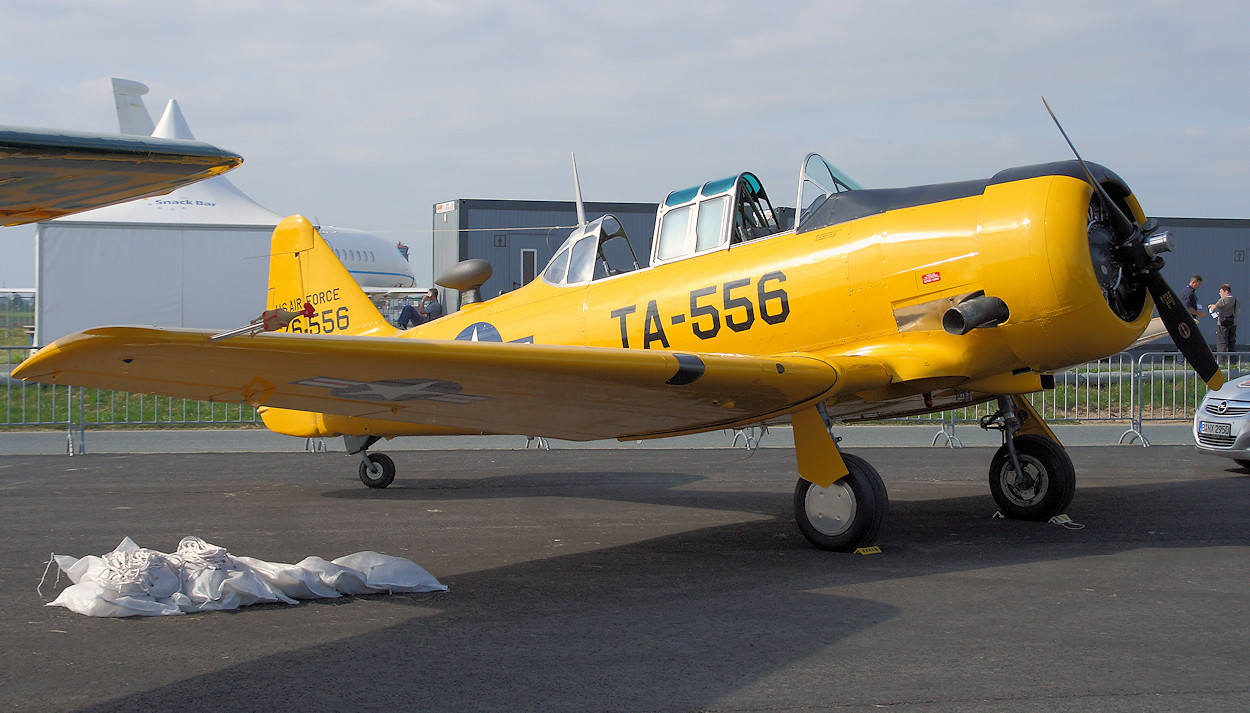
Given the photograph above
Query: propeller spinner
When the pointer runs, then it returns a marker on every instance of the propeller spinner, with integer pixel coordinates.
(1126, 259)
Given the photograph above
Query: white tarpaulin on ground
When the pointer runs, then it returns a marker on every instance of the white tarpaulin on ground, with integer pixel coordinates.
(135, 581)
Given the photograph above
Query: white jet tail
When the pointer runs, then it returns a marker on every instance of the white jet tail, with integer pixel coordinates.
(132, 115)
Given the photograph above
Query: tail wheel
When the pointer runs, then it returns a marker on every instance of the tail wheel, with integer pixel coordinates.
(1046, 487)
(846, 515)
(377, 470)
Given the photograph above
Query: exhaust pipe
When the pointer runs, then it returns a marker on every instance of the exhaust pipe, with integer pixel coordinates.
(974, 313)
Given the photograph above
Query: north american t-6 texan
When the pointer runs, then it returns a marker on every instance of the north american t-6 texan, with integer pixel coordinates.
(859, 304)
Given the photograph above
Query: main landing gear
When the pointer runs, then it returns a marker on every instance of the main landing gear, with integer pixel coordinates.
(1031, 478)
(846, 515)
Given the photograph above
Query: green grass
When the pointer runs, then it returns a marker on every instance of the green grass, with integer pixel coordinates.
(41, 405)
(14, 337)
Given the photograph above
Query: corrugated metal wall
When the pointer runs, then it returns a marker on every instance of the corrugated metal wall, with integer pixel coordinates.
(499, 231)
(1219, 250)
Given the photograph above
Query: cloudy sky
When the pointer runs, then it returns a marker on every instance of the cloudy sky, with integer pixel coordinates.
(365, 114)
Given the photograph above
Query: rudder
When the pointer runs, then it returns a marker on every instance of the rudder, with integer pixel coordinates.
(304, 269)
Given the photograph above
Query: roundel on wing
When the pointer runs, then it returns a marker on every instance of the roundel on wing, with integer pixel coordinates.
(479, 332)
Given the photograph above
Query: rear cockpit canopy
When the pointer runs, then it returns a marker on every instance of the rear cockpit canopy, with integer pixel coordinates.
(596, 250)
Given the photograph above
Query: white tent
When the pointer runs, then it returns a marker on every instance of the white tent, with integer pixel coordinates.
(197, 257)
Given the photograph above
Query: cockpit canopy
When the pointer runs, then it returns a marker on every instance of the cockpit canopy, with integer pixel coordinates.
(697, 220)
(596, 250)
(818, 180)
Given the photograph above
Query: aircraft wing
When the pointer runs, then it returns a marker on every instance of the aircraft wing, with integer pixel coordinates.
(1155, 330)
(568, 392)
(46, 174)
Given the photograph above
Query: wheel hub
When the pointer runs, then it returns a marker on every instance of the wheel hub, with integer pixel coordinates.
(831, 510)
(1024, 490)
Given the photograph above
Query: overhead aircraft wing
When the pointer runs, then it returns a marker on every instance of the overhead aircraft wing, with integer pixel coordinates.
(1155, 330)
(568, 392)
(46, 174)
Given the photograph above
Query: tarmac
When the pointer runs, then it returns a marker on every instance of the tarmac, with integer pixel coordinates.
(636, 578)
(260, 440)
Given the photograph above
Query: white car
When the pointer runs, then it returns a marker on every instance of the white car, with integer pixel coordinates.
(1222, 422)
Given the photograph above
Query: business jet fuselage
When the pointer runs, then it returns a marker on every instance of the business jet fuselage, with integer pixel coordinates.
(371, 259)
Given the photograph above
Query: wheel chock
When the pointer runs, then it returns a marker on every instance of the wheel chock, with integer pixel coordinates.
(1066, 522)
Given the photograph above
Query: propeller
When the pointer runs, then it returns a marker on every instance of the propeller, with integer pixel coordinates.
(1126, 257)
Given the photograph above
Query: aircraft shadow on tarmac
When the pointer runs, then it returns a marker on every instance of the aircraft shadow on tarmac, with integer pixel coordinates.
(685, 620)
(1119, 513)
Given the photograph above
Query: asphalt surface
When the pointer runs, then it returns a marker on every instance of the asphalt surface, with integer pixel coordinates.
(260, 440)
(643, 580)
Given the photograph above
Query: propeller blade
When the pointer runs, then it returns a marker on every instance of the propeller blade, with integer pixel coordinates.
(1123, 226)
(1145, 263)
(1184, 331)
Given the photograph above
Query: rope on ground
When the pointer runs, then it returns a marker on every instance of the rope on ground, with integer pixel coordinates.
(39, 589)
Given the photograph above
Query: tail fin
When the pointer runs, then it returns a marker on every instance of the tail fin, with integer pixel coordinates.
(303, 269)
(132, 115)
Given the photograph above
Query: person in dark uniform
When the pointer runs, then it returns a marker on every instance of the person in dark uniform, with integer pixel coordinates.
(1189, 296)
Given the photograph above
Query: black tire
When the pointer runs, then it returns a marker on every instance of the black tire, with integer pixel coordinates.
(1052, 472)
(380, 471)
(848, 514)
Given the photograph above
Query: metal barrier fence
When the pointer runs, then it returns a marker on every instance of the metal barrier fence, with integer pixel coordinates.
(1127, 388)
(75, 408)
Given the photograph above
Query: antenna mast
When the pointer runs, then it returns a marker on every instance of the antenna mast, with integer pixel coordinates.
(577, 190)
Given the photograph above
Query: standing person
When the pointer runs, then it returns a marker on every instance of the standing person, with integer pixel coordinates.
(1189, 296)
(1226, 309)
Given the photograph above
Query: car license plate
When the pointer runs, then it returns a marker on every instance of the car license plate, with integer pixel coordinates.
(1213, 428)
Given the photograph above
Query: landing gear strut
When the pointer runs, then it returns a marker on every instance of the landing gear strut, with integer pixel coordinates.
(1031, 476)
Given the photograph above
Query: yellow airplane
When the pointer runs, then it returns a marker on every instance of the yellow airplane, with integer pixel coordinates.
(872, 304)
